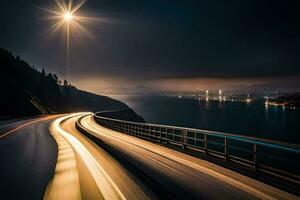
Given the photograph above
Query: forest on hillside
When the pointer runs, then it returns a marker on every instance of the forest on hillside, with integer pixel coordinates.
(27, 91)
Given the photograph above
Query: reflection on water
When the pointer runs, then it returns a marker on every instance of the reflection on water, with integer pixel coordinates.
(254, 119)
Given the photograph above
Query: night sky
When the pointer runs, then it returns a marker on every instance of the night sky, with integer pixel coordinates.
(166, 44)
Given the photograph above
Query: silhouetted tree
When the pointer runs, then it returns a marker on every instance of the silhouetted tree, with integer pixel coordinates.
(55, 78)
(65, 83)
(20, 83)
(43, 72)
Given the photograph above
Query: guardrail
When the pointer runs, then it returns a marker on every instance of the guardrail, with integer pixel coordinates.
(276, 158)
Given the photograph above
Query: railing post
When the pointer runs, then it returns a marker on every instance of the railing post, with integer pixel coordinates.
(140, 130)
(150, 133)
(173, 135)
(147, 132)
(160, 140)
(130, 129)
(205, 144)
(255, 156)
(167, 136)
(183, 138)
(226, 148)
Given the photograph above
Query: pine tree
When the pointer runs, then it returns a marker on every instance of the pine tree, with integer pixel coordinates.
(65, 83)
(55, 78)
(43, 72)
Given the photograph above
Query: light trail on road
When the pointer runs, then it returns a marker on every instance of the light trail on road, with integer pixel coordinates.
(87, 168)
(65, 183)
(100, 163)
(2, 135)
(107, 187)
(201, 178)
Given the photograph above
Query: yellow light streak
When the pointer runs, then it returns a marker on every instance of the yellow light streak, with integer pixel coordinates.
(26, 124)
(65, 183)
(103, 181)
(251, 186)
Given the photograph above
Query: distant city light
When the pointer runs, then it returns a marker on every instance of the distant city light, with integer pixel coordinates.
(220, 95)
(206, 95)
(266, 104)
(248, 100)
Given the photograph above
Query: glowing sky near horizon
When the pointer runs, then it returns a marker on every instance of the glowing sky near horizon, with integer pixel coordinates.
(141, 42)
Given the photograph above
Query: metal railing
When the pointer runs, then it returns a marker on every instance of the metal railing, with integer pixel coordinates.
(277, 158)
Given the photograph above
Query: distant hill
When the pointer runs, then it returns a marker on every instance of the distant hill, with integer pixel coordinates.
(137, 90)
(127, 115)
(26, 91)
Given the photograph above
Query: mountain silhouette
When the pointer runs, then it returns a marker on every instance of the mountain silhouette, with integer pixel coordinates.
(26, 91)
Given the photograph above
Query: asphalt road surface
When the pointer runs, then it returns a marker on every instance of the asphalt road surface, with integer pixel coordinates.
(27, 158)
(40, 159)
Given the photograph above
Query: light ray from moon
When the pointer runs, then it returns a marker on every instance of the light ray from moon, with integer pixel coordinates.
(68, 21)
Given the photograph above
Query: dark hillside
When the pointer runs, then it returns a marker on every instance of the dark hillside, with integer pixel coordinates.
(25, 91)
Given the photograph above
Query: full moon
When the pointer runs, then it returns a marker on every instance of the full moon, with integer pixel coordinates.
(68, 16)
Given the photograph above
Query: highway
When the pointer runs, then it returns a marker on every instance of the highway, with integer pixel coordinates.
(27, 158)
(104, 164)
(87, 171)
(153, 171)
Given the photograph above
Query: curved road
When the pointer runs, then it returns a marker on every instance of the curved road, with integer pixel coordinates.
(99, 163)
(27, 158)
(179, 175)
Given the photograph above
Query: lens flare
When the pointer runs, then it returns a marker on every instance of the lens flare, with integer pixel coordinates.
(65, 16)
(68, 16)
(67, 20)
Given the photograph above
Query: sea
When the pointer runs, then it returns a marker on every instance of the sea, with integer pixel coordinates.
(251, 119)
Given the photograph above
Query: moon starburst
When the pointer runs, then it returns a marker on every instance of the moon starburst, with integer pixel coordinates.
(67, 20)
